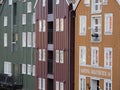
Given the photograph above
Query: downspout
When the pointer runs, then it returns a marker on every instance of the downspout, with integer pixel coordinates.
(69, 50)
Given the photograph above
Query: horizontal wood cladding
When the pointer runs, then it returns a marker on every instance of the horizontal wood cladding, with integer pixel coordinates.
(106, 41)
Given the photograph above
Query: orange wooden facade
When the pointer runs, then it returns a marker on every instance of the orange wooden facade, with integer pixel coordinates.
(112, 41)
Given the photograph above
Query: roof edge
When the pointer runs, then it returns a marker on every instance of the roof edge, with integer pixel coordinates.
(75, 4)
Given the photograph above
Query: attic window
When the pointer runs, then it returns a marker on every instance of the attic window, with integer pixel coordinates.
(105, 2)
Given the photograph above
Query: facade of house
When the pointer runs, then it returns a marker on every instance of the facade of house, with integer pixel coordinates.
(97, 45)
(17, 36)
(54, 45)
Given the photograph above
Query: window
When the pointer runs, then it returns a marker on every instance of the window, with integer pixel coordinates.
(82, 55)
(82, 25)
(57, 1)
(23, 19)
(57, 56)
(29, 69)
(61, 86)
(41, 83)
(40, 25)
(95, 55)
(57, 85)
(8, 68)
(29, 7)
(43, 3)
(107, 85)
(33, 18)
(23, 39)
(29, 39)
(61, 56)
(44, 26)
(105, 2)
(10, 2)
(23, 68)
(41, 54)
(61, 24)
(5, 39)
(96, 28)
(5, 20)
(82, 83)
(96, 6)
(33, 70)
(87, 2)
(57, 24)
(108, 57)
(108, 24)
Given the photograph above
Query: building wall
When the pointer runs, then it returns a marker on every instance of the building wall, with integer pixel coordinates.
(106, 41)
(60, 42)
(22, 55)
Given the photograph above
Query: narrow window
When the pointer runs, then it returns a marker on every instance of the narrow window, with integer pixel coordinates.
(40, 54)
(8, 68)
(61, 24)
(108, 24)
(44, 25)
(33, 70)
(82, 55)
(95, 56)
(96, 6)
(33, 40)
(82, 25)
(29, 7)
(57, 56)
(61, 86)
(23, 68)
(23, 39)
(5, 39)
(107, 84)
(23, 19)
(29, 69)
(57, 24)
(43, 55)
(87, 2)
(40, 25)
(10, 2)
(5, 20)
(61, 56)
(57, 85)
(43, 3)
(108, 57)
(29, 39)
(57, 1)
(33, 18)
(82, 83)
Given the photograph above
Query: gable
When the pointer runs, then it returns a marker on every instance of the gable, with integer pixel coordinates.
(118, 1)
(75, 4)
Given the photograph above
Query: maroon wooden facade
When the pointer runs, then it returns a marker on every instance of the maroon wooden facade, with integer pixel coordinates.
(61, 41)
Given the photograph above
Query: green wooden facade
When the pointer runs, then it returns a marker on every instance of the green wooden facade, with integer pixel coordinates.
(14, 52)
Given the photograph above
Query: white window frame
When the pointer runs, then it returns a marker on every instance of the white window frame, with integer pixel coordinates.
(41, 83)
(5, 21)
(61, 56)
(57, 56)
(108, 27)
(99, 5)
(82, 25)
(33, 70)
(5, 40)
(10, 2)
(82, 55)
(24, 39)
(82, 84)
(40, 25)
(87, 2)
(57, 85)
(8, 68)
(44, 54)
(29, 69)
(109, 82)
(34, 39)
(43, 3)
(23, 19)
(29, 7)
(33, 18)
(23, 68)
(40, 54)
(29, 39)
(95, 58)
(105, 2)
(61, 86)
(57, 1)
(57, 24)
(94, 26)
(61, 24)
(108, 58)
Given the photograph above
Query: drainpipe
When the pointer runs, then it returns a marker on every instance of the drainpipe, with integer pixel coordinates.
(69, 35)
